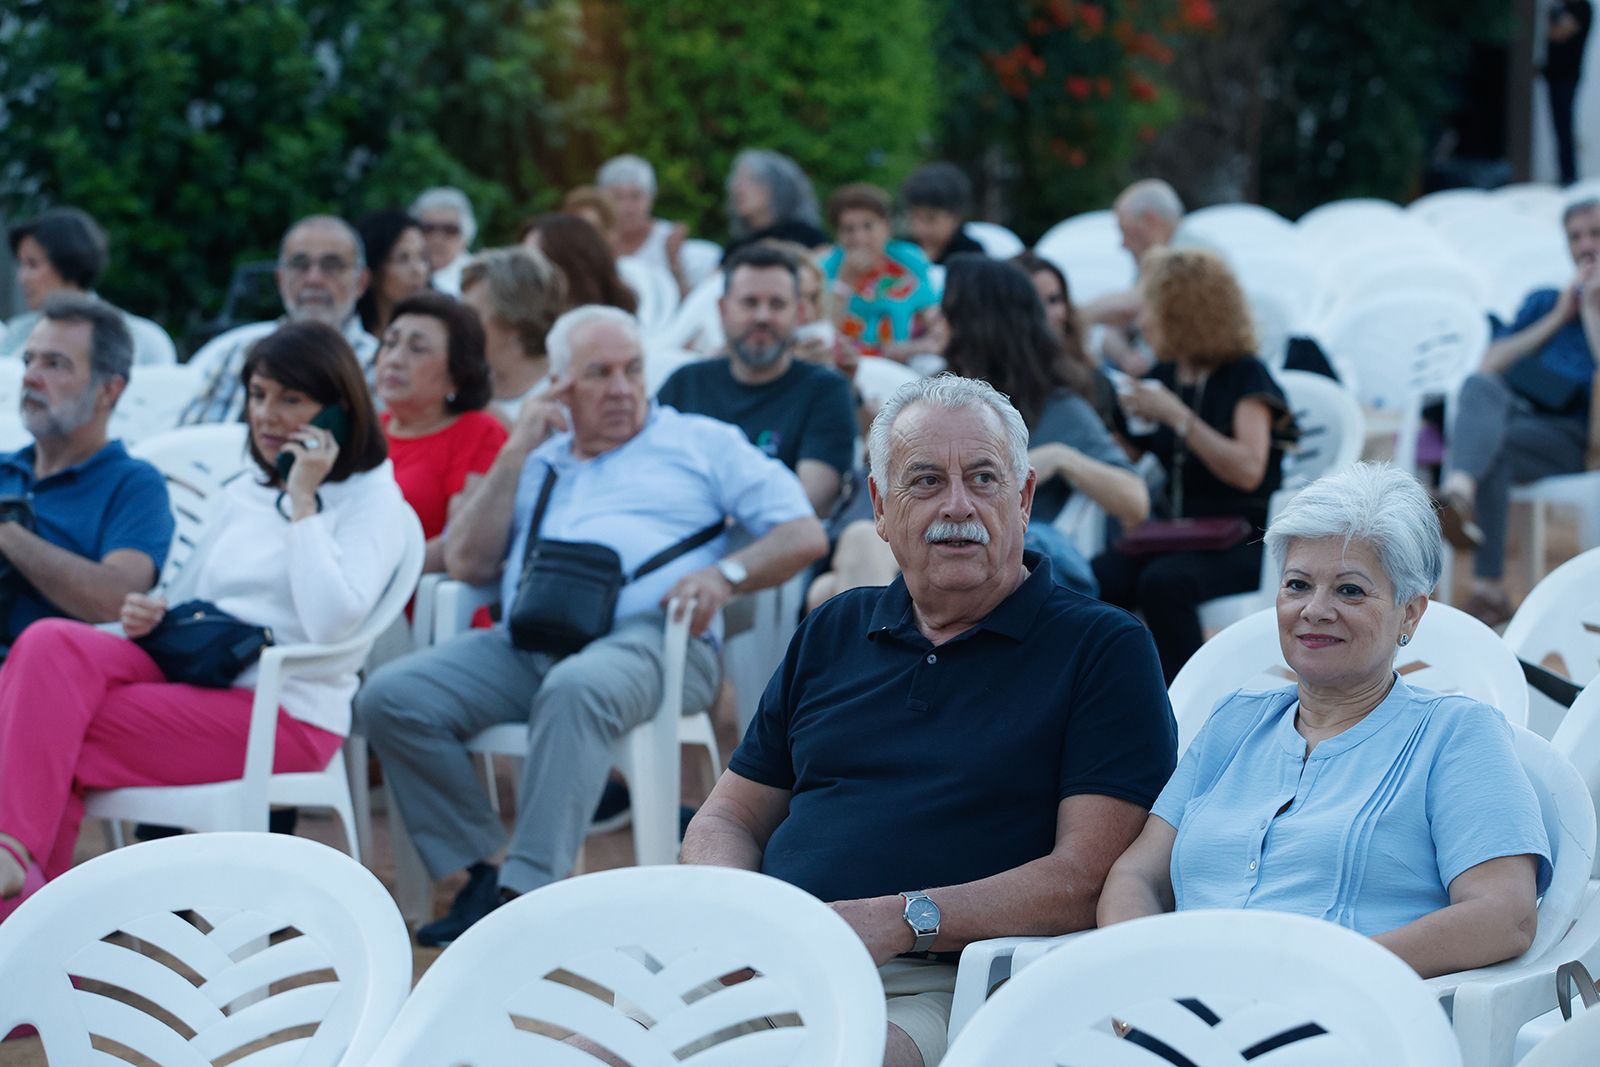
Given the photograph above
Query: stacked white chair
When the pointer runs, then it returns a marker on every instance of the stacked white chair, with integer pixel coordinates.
(1212, 989)
(1087, 248)
(156, 395)
(193, 917)
(196, 462)
(1576, 1042)
(645, 962)
(1560, 620)
(997, 241)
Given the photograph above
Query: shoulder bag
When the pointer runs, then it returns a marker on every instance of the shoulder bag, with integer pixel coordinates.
(197, 643)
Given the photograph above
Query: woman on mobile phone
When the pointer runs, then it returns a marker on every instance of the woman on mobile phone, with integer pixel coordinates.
(306, 553)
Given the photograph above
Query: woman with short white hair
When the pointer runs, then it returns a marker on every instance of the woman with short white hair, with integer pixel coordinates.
(629, 182)
(448, 229)
(1400, 813)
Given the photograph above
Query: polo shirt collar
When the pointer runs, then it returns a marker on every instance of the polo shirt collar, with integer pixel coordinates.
(1013, 617)
(22, 460)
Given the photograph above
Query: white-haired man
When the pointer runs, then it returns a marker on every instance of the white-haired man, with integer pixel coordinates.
(962, 754)
(448, 229)
(1148, 213)
(592, 461)
(322, 272)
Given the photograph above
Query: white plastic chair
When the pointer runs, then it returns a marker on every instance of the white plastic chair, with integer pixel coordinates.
(1451, 652)
(1560, 617)
(10, 384)
(1520, 262)
(1087, 248)
(1408, 347)
(1237, 228)
(1577, 1042)
(1579, 493)
(209, 904)
(1337, 223)
(750, 657)
(1213, 986)
(650, 947)
(243, 803)
(878, 378)
(14, 436)
(998, 242)
(696, 322)
(196, 462)
(1411, 272)
(154, 399)
(1439, 209)
(152, 346)
(1293, 282)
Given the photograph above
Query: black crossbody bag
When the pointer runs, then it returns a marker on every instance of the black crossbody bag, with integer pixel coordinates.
(568, 592)
(197, 643)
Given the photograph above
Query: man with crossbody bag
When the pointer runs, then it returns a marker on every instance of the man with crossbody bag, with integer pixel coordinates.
(600, 509)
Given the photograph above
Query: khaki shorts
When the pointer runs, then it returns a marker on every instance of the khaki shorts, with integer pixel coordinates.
(919, 993)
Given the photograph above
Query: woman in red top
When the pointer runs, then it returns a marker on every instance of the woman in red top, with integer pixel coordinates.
(434, 383)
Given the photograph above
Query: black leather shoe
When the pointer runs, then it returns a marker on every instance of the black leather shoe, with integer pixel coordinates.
(477, 898)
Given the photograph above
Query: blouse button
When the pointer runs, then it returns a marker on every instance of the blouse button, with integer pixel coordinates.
(1252, 865)
(1263, 824)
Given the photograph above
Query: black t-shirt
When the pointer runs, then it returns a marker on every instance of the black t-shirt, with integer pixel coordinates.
(801, 233)
(1564, 59)
(911, 766)
(1213, 399)
(960, 241)
(807, 413)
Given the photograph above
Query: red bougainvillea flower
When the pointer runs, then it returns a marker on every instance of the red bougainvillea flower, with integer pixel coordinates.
(1093, 17)
(1078, 87)
(1141, 90)
(1197, 14)
(1061, 12)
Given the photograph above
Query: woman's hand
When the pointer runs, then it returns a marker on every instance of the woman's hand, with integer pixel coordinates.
(141, 614)
(1154, 401)
(315, 450)
(1053, 459)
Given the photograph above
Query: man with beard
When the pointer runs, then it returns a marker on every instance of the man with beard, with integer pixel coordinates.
(82, 524)
(322, 272)
(963, 753)
(1532, 411)
(590, 461)
(799, 413)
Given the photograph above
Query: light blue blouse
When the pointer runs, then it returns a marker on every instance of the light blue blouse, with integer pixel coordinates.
(1367, 832)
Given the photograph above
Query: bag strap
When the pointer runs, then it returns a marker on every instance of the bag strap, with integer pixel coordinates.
(688, 544)
(538, 515)
(1568, 975)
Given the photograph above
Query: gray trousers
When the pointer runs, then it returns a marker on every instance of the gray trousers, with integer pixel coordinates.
(1501, 441)
(419, 711)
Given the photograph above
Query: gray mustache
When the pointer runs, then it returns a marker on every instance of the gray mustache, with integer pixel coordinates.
(956, 531)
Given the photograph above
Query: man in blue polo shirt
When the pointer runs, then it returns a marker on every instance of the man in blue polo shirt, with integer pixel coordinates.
(86, 524)
(1528, 414)
(962, 754)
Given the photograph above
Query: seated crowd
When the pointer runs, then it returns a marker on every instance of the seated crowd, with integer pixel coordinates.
(969, 735)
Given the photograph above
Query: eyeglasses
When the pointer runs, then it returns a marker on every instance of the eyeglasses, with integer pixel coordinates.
(446, 229)
(328, 265)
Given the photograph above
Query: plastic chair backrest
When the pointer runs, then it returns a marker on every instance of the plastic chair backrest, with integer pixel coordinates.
(1578, 739)
(1413, 272)
(1338, 222)
(1523, 265)
(1214, 988)
(1561, 617)
(998, 242)
(1239, 227)
(195, 914)
(1332, 427)
(1291, 279)
(1567, 807)
(590, 955)
(1442, 208)
(1408, 345)
(154, 399)
(10, 384)
(878, 378)
(196, 461)
(1577, 1041)
(1451, 653)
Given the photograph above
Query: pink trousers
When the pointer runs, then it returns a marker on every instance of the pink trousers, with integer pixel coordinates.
(81, 709)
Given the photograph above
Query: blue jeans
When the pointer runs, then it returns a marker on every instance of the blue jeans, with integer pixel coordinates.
(1067, 564)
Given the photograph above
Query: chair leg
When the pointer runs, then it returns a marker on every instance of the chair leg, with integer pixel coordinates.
(653, 774)
(114, 836)
(355, 754)
(1536, 543)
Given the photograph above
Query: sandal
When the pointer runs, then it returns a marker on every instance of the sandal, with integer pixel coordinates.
(1455, 521)
(32, 882)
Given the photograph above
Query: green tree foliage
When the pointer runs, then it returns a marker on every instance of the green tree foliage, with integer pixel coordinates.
(1048, 101)
(1355, 87)
(195, 129)
(846, 87)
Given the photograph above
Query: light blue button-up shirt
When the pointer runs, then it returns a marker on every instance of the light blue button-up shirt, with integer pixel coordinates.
(677, 476)
(1367, 832)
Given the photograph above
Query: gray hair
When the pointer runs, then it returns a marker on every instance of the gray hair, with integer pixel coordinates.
(1154, 197)
(335, 222)
(449, 198)
(1377, 503)
(526, 291)
(1579, 206)
(561, 344)
(952, 393)
(627, 170)
(110, 341)
(793, 199)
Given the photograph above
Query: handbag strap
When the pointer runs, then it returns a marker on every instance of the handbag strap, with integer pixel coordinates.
(1574, 974)
(654, 563)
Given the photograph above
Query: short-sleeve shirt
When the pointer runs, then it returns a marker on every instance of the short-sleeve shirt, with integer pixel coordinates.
(912, 766)
(1367, 832)
(675, 477)
(108, 502)
(1567, 353)
(807, 413)
(1213, 400)
(1069, 419)
(884, 304)
(960, 242)
(433, 468)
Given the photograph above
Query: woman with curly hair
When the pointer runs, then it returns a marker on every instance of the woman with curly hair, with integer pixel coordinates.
(1220, 424)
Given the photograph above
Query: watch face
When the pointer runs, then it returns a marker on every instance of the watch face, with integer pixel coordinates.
(923, 915)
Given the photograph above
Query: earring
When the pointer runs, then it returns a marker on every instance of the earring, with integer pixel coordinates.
(450, 398)
(1405, 639)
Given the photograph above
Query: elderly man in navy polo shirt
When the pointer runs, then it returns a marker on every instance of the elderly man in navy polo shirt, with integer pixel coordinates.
(100, 522)
(962, 754)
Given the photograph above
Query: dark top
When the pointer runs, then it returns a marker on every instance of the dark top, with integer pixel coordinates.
(802, 233)
(1198, 493)
(1566, 355)
(108, 502)
(1564, 59)
(960, 241)
(808, 413)
(1070, 420)
(912, 766)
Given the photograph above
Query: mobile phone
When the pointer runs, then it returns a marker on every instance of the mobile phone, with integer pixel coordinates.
(331, 418)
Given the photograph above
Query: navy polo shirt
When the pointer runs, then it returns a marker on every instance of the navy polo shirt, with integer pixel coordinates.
(107, 502)
(911, 766)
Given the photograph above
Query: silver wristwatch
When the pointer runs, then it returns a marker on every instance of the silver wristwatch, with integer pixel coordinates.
(922, 915)
(734, 571)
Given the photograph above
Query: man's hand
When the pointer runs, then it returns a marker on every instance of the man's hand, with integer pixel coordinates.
(881, 925)
(708, 590)
(537, 420)
(141, 614)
